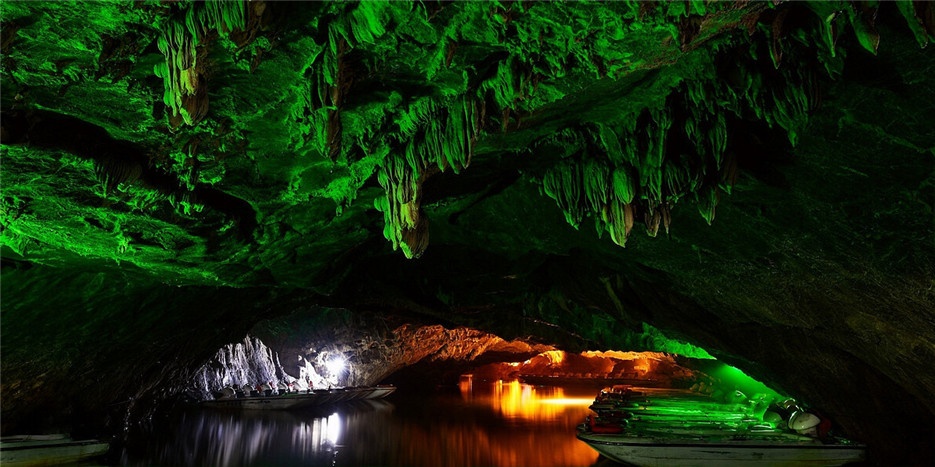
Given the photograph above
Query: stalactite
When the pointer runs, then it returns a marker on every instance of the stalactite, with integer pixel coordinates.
(179, 42)
(562, 183)
(666, 213)
(863, 22)
(652, 218)
(596, 178)
(707, 199)
(652, 159)
(404, 224)
(618, 219)
(921, 19)
(624, 185)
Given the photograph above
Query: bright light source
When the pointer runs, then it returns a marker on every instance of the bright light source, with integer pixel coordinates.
(335, 365)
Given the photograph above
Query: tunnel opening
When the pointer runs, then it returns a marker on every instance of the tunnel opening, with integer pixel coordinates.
(424, 358)
(474, 386)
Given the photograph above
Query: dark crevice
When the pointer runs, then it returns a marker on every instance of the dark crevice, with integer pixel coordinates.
(116, 161)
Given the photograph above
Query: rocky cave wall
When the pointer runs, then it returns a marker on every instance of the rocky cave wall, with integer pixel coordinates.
(379, 346)
(248, 363)
(423, 357)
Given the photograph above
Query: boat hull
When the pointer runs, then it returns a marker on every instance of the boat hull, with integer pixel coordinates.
(651, 452)
(49, 452)
(380, 392)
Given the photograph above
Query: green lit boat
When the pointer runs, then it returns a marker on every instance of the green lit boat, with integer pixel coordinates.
(689, 430)
(720, 448)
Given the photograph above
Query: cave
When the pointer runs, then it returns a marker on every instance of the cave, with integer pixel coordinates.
(436, 187)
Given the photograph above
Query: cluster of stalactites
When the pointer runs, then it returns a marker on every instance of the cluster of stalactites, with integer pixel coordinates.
(642, 168)
(184, 94)
(627, 172)
(434, 138)
(617, 178)
(836, 17)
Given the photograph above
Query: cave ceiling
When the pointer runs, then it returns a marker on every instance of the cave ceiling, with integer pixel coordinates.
(733, 173)
(232, 144)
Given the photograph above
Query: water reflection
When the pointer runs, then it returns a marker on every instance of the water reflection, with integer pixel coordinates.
(517, 401)
(222, 438)
(490, 424)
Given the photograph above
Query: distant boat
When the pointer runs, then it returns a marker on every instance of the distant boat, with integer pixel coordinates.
(38, 450)
(299, 400)
(596, 381)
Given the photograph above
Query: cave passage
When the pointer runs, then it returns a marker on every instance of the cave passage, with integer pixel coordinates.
(511, 403)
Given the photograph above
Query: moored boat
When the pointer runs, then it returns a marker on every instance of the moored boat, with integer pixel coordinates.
(678, 429)
(37, 450)
(720, 449)
(278, 402)
(299, 400)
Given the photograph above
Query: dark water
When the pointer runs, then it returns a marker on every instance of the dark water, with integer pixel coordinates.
(478, 424)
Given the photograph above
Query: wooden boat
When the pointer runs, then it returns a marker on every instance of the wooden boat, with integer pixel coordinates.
(300, 400)
(37, 450)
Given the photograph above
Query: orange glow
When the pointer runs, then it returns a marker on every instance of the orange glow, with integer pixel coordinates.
(453, 446)
(514, 400)
(638, 368)
(624, 355)
(466, 384)
(643, 365)
(556, 357)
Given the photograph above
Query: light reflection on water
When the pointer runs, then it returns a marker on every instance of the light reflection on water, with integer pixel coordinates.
(483, 424)
(517, 401)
